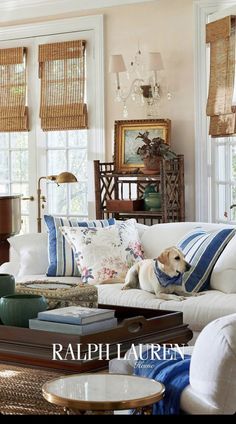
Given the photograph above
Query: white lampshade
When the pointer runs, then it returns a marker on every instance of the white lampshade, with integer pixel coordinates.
(155, 62)
(117, 63)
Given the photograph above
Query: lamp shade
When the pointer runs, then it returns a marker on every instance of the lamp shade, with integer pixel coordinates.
(155, 62)
(66, 177)
(117, 63)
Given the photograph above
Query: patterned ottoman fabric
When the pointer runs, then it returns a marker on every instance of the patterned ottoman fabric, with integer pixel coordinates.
(60, 295)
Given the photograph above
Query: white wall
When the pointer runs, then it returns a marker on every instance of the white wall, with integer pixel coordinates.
(166, 27)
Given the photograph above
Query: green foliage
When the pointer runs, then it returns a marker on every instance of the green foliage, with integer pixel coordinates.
(154, 148)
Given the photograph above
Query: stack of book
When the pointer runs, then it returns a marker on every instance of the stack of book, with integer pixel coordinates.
(75, 320)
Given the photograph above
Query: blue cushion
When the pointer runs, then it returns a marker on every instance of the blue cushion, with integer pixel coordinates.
(60, 254)
(201, 250)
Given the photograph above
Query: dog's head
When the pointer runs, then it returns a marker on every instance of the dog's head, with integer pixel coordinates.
(173, 262)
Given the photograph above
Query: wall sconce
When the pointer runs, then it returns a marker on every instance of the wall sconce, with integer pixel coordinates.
(143, 89)
(62, 178)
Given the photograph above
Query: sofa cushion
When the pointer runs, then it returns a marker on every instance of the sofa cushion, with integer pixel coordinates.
(32, 252)
(198, 311)
(213, 364)
(60, 254)
(201, 250)
(223, 276)
(105, 254)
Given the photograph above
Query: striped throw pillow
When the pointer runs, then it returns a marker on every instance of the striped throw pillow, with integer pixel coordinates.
(60, 254)
(201, 250)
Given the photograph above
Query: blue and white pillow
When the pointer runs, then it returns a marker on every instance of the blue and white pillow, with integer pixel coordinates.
(201, 250)
(60, 254)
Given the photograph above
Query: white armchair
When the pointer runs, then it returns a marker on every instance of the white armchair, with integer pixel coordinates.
(212, 388)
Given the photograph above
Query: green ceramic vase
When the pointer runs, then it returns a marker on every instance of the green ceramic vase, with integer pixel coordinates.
(152, 201)
(7, 284)
(17, 309)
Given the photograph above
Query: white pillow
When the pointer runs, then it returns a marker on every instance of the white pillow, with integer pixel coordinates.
(105, 254)
(32, 251)
(223, 276)
(213, 364)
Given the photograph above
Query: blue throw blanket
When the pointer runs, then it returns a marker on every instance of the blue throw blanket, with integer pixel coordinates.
(173, 373)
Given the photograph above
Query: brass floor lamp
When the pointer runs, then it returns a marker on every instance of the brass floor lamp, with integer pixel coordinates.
(62, 178)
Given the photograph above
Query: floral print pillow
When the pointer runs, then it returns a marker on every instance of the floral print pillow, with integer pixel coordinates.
(105, 254)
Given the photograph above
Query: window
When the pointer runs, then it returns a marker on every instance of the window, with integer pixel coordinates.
(14, 175)
(224, 186)
(214, 157)
(26, 156)
(68, 150)
(220, 36)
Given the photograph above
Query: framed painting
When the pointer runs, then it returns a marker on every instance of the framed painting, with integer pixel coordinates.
(127, 141)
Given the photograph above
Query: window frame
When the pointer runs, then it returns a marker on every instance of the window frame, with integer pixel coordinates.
(94, 25)
(205, 196)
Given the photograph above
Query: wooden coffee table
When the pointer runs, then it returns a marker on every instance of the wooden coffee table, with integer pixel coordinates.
(34, 348)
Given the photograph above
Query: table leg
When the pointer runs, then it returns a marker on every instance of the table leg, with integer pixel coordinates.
(143, 410)
(69, 411)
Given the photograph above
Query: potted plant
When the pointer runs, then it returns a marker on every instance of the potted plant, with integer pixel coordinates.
(152, 151)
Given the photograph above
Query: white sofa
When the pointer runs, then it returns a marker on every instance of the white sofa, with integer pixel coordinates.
(219, 301)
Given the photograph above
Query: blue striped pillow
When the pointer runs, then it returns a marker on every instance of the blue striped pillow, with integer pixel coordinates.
(201, 250)
(60, 254)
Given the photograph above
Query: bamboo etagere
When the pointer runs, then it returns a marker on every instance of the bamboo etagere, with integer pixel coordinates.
(124, 187)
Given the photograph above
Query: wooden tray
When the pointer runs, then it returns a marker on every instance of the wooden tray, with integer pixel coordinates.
(136, 326)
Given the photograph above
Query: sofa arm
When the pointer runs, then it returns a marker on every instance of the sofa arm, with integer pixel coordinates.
(9, 268)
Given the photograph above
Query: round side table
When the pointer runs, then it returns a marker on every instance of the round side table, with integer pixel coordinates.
(102, 392)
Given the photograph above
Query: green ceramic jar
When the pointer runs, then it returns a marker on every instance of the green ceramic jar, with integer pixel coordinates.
(152, 201)
(7, 284)
(17, 309)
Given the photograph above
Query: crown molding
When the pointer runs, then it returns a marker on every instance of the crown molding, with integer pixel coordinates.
(19, 10)
(9, 5)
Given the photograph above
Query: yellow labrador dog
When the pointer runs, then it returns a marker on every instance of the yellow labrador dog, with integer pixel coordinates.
(161, 276)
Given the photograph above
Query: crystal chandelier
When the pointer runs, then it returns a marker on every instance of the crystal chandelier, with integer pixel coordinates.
(144, 87)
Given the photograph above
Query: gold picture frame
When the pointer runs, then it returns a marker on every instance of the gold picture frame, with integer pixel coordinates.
(126, 142)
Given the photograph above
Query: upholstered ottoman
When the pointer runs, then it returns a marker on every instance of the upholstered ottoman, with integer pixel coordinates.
(60, 294)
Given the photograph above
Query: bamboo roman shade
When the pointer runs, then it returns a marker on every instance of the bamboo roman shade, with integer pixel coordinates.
(13, 110)
(62, 73)
(221, 36)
